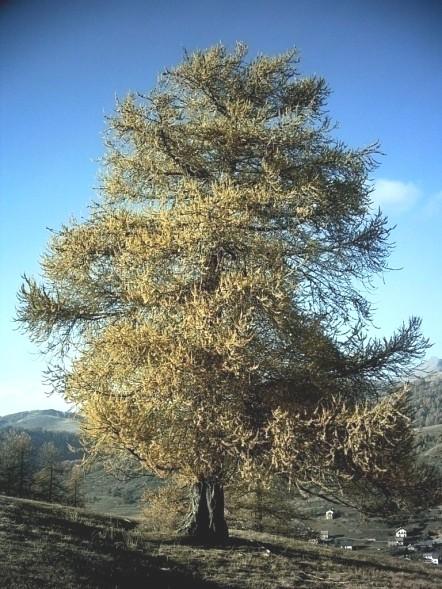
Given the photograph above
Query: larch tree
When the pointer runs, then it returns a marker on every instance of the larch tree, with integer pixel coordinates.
(211, 306)
(15, 463)
(48, 481)
(74, 486)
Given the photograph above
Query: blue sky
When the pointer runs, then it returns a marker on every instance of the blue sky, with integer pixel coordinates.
(63, 63)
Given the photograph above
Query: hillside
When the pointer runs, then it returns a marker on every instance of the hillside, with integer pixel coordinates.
(426, 395)
(103, 492)
(106, 494)
(47, 419)
(50, 546)
(429, 367)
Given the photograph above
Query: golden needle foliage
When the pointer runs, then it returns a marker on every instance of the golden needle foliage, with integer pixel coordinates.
(209, 303)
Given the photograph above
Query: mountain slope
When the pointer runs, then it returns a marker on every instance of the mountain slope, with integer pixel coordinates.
(426, 396)
(430, 367)
(103, 492)
(47, 419)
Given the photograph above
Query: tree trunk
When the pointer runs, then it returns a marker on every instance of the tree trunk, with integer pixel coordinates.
(205, 521)
(259, 508)
(51, 480)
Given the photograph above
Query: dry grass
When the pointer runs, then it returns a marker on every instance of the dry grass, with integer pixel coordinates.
(47, 546)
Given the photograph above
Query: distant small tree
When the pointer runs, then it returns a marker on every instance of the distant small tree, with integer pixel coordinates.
(23, 448)
(74, 486)
(48, 481)
(212, 301)
(15, 463)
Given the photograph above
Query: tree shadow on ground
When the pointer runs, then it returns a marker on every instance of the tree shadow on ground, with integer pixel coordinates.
(42, 548)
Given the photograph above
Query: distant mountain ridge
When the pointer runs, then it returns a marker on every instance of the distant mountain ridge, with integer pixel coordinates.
(430, 368)
(435, 364)
(42, 419)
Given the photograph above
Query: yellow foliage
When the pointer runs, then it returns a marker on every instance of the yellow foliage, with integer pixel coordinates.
(209, 302)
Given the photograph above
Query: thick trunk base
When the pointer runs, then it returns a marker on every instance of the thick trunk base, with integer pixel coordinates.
(205, 522)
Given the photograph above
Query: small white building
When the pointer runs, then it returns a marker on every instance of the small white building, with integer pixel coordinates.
(401, 533)
(323, 534)
(329, 514)
(432, 558)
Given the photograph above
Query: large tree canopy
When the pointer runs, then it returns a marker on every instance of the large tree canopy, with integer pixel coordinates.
(212, 300)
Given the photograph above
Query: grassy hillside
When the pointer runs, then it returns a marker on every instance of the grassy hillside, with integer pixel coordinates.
(49, 546)
(369, 534)
(106, 494)
(426, 398)
(103, 493)
(49, 420)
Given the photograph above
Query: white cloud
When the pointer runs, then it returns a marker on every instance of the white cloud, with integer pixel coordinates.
(395, 195)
